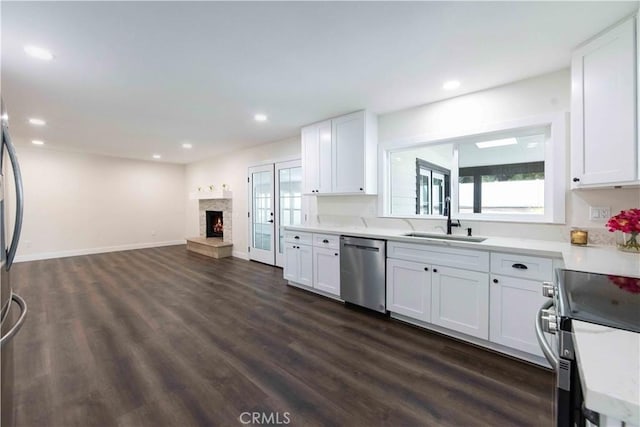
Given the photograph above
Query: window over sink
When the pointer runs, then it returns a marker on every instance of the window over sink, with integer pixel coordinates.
(509, 173)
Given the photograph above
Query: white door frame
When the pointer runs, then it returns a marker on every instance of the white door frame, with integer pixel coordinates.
(278, 167)
(255, 254)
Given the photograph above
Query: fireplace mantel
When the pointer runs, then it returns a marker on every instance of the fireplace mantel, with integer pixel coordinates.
(211, 195)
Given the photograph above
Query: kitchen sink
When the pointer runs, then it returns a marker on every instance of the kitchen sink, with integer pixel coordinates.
(446, 237)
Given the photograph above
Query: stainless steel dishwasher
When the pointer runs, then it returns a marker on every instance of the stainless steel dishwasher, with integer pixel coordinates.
(362, 272)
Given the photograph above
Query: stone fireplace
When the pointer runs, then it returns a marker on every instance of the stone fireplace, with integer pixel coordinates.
(212, 210)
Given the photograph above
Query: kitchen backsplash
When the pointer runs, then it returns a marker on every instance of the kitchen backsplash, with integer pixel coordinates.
(597, 235)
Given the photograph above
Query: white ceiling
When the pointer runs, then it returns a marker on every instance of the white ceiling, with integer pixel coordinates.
(134, 78)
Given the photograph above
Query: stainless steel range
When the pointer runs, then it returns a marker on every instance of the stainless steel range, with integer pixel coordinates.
(607, 300)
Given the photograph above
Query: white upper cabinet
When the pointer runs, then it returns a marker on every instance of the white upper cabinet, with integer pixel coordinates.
(316, 158)
(604, 146)
(339, 156)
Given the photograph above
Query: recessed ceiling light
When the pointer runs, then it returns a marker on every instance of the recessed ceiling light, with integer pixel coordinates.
(451, 84)
(497, 143)
(5, 117)
(38, 52)
(37, 122)
(156, 156)
(260, 118)
(187, 145)
(37, 142)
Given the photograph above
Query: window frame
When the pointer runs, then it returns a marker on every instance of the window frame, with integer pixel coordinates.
(432, 167)
(554, 166)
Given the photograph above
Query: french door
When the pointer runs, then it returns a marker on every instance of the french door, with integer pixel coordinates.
(275, 200)
(289, 203)
(262, 214)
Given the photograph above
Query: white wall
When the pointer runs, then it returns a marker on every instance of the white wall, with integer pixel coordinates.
(232, 169)
(468, 113)
(83, 203)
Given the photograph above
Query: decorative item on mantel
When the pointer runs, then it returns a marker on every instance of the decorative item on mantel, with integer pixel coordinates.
(626, 225)
(211, 192)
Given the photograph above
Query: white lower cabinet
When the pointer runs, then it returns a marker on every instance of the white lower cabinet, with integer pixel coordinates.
(460, 300)
(298, 264)
(514, 304)
(409, 289)
(326, 270)
(313, 261)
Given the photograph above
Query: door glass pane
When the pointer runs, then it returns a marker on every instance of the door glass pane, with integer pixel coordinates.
(262, 210)
(412, 184)
(290, 184)
(424, 189)
(437, 189)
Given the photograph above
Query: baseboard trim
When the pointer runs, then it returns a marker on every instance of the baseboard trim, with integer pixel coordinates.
(90, 251)
(241, 255)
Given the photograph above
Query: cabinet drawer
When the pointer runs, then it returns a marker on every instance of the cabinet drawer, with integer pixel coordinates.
(330, 241)
(467, 259)
(526, 267)
(297, 237)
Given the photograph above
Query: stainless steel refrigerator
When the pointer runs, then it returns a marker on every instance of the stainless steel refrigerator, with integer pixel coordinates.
(14, 309)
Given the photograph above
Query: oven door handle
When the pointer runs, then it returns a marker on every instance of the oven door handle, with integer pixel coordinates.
(542, 340)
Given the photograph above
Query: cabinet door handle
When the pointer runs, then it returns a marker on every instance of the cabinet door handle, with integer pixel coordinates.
(426, 269)
(336, 254)
(325, 241)
(576, 179)
(495, 280)
(297, 237)
(520, 266)
(435, 270)
(361, 189)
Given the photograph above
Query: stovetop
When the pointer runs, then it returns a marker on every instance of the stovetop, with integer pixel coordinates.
(607, 300)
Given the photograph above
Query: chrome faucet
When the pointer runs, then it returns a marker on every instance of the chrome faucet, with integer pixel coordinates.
(447, 207)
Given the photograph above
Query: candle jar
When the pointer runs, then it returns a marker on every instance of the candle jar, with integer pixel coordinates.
(579, 237)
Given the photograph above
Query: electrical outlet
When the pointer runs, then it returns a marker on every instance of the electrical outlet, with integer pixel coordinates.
(599, 213)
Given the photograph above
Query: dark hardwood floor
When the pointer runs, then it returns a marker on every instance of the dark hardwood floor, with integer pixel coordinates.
(161, 337)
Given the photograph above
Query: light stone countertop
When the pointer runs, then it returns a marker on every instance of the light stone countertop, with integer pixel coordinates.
(609, 364)
(592, 258)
